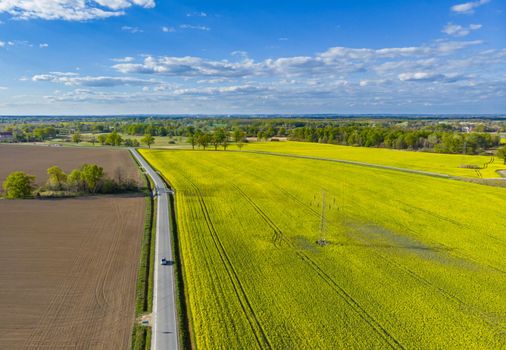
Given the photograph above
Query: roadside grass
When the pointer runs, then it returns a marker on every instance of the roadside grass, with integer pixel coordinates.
(141, 335)
(449, 164)
(412, 261)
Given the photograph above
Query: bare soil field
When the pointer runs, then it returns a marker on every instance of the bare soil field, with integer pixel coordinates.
(68, 267)
(35, 160)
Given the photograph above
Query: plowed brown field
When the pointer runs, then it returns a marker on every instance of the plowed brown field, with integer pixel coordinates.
(35, 160)
(68, 267)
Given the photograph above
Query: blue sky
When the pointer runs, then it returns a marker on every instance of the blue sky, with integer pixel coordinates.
(153, 56)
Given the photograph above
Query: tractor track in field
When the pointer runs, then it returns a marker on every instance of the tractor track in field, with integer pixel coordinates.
(249, 312)
(278, 238)
(370, 320)
(40, 333)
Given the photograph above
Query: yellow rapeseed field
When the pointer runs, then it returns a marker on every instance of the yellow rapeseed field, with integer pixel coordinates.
(449, 164)
(412, 261)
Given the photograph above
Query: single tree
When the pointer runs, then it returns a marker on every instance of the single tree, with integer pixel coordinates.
(220, 137)
(93, 139)
(114, 139)
(92, 175)
(192, 139)
(57, 178)
(18, 185)
(204, 140)
(224, 143)
(239, 136)
(102, 139)
(75, 181)
(501, 153)
(148, 140)
(76, 137)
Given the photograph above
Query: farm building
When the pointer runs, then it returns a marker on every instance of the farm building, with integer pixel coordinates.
(6, 137)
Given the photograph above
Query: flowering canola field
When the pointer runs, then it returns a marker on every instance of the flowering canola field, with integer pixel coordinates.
(449, 164)
(412, 261)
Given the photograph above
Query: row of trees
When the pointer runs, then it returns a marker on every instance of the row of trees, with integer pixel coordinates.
(114, 139)
(219, 137)
(87, 179)
(369, 136)
(431, 134)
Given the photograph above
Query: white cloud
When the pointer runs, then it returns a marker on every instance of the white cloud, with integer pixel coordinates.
(3, 88)
(167, 29)
(196, 14)
(2, 43)
(431, 77)
(196, 27)
(74, 79)
(458, 30)
(439, 73)
(123, 59)
(420, 76)
(468, 7)
(239, 53)
(448, 47)
(133, 30)
(69, 10)
(43, 45)
(336, 60)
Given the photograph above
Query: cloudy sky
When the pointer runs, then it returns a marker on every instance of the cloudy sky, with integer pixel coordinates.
(264, 56)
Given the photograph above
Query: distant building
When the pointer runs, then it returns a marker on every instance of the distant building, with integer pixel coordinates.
(6, 137)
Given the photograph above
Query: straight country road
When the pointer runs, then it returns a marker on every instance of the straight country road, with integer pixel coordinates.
(164, 318)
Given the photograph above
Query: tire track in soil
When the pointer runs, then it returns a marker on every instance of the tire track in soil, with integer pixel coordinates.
(255, 324)
(366, 317)
(44, 326)
(56, 319)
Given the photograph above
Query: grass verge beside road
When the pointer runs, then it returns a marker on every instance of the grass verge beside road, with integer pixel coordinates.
(141, 335)
(185, 331)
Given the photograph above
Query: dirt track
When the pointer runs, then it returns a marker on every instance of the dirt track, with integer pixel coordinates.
(68, 267)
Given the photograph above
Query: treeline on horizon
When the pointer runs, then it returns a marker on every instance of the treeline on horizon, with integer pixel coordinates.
(448, 136)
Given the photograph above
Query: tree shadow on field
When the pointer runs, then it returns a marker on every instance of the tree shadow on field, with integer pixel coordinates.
(392, 246)
(378, 237)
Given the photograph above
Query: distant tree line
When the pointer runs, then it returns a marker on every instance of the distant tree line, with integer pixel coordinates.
(392, 137)
(470, 136)
(87, 179)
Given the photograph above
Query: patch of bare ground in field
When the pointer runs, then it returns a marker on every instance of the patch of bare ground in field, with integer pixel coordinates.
(68, 267)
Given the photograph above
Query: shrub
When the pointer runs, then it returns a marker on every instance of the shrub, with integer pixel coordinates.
(18, 185)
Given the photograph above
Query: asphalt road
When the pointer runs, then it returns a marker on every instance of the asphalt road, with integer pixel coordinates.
(164, 318)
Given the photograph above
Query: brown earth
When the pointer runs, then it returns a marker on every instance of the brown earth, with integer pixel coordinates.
(35, 160)
(68, 267)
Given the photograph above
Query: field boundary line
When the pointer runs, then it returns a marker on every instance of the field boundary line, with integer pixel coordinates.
(357, 163)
